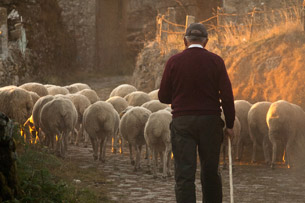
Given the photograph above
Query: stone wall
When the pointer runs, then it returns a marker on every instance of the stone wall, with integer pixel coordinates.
(80, 18)
(39, 46)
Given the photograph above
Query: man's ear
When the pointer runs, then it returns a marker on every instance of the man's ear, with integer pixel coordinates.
(185, 42)
(205, 43)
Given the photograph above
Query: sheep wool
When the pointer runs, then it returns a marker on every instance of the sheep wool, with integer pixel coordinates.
(58, 117)
(122, 90)
(40, 89)
(80, 86)
(16, 103)
(258, 129)
(90, 94)
(157, 137)
(119, 103)
(286, 124)
(154, 95)
(101, 121)
(242, 108)
(132, 130)
(137, 98)
(154, 105)
(54, 90)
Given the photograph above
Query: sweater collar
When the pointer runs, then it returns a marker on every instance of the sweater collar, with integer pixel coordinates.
(196, 45)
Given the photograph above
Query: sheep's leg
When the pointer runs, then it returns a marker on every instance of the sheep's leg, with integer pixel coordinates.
(115, 143)
(165, 160)
(65, 139)
(63, 144)
(149, 159)
(146, 154)
(274, 150)
(103, 143)
(79, 135)
(240, 147)
(138, 157)
(266, 149)
(169, 160)
(131, 155)
(155, 162)
(238, 150)
(94, 146)
(86, 138)
(288, 152)
(254, 150)
(161, 155)
(121, 144)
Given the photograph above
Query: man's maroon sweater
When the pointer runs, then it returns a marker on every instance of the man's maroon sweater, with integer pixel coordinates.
(196, 82)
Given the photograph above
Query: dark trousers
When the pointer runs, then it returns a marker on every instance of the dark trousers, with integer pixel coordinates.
(187, 134)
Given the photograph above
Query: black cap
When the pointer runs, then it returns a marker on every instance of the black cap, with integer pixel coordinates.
(197, 30)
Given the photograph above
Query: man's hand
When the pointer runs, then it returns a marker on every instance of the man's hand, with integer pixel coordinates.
(229, 133)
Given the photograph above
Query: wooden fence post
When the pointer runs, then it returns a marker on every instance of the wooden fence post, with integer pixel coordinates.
(171, 12)
(189, 20)
(303, 15)
(3, 34)
(159, 27)
(164, 27)
(252, 23)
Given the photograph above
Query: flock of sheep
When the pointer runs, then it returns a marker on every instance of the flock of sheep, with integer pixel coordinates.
(72, 113)
(269, 125)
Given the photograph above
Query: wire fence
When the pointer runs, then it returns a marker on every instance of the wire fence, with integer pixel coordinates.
(168, 31)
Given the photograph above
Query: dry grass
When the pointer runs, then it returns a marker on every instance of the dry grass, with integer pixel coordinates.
(267, 64)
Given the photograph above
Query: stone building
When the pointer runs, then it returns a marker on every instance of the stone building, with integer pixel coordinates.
(110, 33)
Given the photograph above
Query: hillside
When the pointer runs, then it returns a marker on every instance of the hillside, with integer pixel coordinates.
(270, 69)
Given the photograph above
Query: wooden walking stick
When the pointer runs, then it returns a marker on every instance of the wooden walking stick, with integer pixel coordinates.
(230, 170)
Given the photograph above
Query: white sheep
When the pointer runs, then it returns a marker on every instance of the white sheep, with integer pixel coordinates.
(101, 121)
(122, 90)
(34, 96)
(54, 90)
(40, 89)
(158, 140)
(72, 89)
(132, 130)
(36, 114)
(90, 94)
(119, 103)
(137, 98)
(81, 103)
(258, 129)
(154, 94)
(242, 108)
(58, 118)
(16, 103)
(286, 124)
(80, 86)
(154, 105)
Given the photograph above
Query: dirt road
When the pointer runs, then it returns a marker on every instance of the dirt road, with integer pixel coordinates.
(252, 183)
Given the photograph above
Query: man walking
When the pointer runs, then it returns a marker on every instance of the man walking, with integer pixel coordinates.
(195, 82)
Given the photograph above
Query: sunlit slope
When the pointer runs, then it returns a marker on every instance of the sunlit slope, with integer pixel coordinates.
(270, 69)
